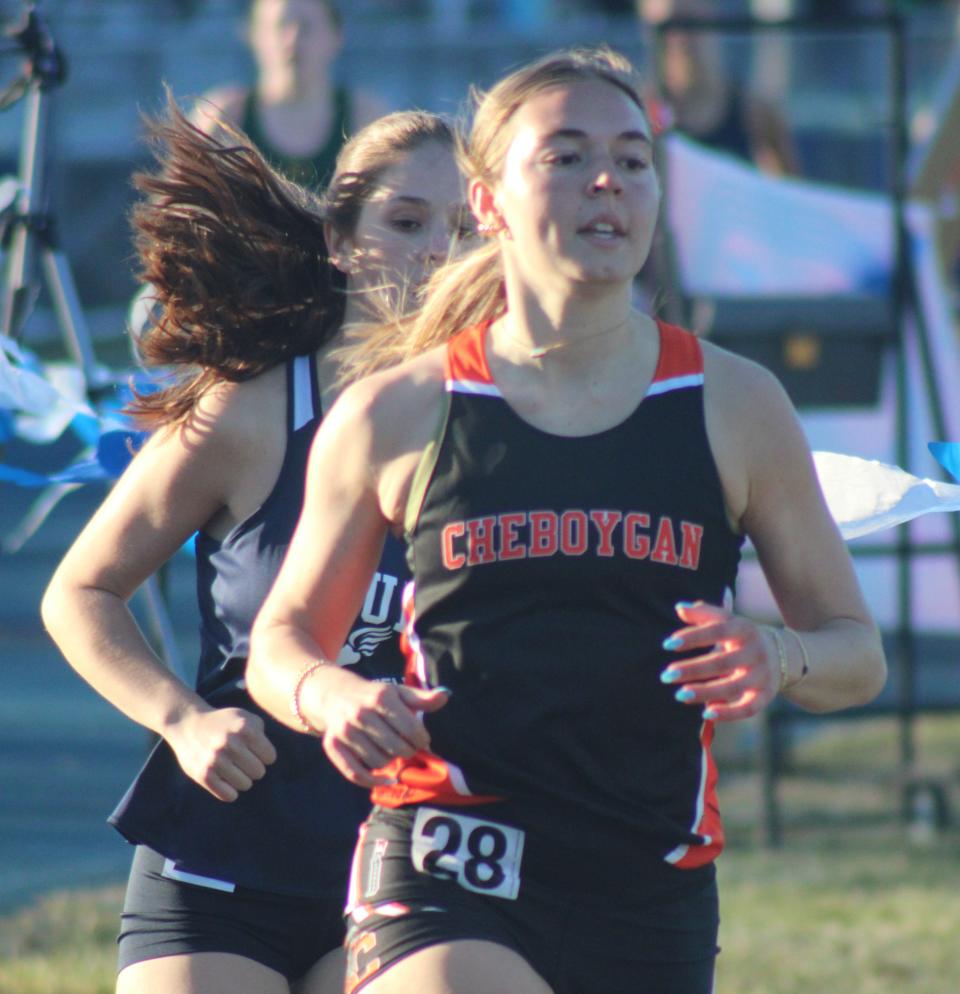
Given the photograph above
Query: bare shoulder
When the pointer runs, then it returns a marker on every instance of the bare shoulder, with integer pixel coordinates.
(754, 432)
(222, 104)
(379, 428)
(236, 439)
(741, 391)
(233, 426)
(398, 405)
(238, 416)
(228, 421)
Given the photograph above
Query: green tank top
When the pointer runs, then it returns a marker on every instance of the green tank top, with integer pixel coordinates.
(312, 170)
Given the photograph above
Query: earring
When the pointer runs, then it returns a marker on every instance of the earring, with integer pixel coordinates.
(347, 264)
(490, 227)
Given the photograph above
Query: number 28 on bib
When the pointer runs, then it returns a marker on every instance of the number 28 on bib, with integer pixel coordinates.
(481, 856)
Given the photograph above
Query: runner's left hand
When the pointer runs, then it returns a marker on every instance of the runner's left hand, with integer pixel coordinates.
(737, 674)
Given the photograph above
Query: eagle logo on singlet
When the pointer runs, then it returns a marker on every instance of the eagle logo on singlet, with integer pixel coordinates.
(363, 642)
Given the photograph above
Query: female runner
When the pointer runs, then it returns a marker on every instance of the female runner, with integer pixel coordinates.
(243, 828)
(574, 482)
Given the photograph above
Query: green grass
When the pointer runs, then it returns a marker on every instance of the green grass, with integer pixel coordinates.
(841, 915)
(847, 905)
(850, 903)
(63, 944)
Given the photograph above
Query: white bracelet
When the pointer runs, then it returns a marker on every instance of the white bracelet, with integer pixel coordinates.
(781, 657)
(803, 655)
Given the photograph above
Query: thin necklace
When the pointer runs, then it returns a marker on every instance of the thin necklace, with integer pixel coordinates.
(541, 350)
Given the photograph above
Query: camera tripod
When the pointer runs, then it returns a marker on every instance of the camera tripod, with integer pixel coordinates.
(29, 236)
(29, 230)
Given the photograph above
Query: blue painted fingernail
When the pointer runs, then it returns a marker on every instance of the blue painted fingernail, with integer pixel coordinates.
(445, 690)
(685, 604)
(683, 695)
(710, 714)
(670, 676)
(673, 643)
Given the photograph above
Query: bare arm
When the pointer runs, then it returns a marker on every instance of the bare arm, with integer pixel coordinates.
(177, 483)
(771, 483)
(810, 572)
(347, 510)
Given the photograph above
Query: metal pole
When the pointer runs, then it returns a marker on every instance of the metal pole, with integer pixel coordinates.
(19, 291)
(906, 644)
(70, 316)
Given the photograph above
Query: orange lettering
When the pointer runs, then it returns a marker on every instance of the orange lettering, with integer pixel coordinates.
(451, 559)
(544, 539)
(636, 544)
(665, 548)
(605, 521)
(509, 540)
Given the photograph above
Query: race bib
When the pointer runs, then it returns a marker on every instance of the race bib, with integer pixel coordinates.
(481, 856)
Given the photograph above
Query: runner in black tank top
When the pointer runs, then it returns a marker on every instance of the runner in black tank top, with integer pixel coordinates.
(573, 480)
(516, 532)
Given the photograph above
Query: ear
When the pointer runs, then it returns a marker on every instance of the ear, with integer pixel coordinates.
(340, 248)
(484, 205)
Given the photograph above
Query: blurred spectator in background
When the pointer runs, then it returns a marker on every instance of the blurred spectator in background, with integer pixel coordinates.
(697, 96)
(294, 111)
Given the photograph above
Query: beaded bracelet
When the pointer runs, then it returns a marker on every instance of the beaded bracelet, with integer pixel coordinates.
(295, 707)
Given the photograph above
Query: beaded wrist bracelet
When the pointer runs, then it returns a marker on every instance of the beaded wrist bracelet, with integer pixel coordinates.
(295, 707)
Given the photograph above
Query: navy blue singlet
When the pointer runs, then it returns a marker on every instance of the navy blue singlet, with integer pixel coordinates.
(294, 830)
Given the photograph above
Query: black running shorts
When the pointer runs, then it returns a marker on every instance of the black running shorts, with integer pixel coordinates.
(169, 913)
(424, 876)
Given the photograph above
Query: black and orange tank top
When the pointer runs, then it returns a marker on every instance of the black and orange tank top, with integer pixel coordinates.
(545, 573)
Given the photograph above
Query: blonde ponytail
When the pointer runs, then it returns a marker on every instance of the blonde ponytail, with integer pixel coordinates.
(461, 293)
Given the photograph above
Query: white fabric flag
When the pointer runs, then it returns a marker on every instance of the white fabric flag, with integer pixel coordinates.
(45, 399)
(866, 496)
(20, 389)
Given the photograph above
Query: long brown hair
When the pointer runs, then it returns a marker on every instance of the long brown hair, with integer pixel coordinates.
(470, 288)
(235, 253)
